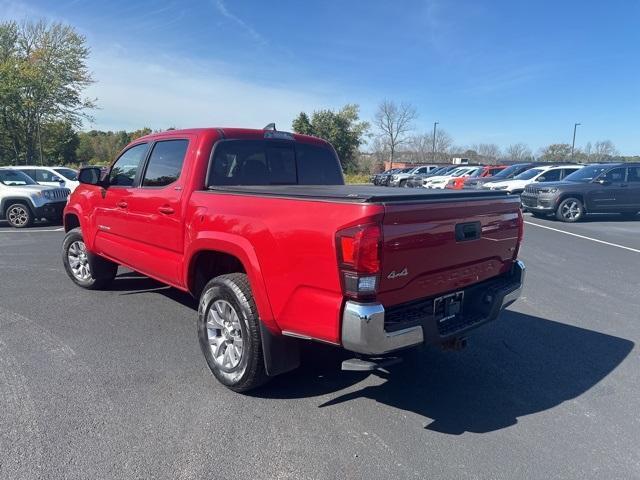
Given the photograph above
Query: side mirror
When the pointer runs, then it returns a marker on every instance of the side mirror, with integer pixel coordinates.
(540, 179)
(61, 181)
(91, 176)
(603, 181)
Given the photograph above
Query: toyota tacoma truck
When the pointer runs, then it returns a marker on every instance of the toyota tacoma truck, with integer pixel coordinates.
(260, 227)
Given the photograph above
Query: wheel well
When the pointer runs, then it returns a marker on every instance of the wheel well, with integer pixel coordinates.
(70, 222)
(564, 196)
(208, 264)
(7, 202)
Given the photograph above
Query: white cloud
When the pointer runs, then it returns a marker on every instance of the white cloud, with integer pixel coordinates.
(222, 8)
(133, 92)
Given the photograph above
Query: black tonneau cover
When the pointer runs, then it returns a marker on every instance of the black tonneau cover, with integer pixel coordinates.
(356, 193)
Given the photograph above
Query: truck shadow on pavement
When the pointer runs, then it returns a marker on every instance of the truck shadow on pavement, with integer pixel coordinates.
(517, 366)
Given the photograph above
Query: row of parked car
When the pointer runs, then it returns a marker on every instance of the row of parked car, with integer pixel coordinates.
(31, 193)
(567, 191)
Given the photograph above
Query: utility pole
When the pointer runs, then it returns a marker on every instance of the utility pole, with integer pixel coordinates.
(434, 141)
(573, 144)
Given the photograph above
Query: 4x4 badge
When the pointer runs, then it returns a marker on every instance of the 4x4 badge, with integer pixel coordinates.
(393, 274)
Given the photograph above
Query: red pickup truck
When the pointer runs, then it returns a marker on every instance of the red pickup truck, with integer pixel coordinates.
(259, 225)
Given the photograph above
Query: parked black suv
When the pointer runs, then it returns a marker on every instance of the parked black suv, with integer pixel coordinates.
(597, 188)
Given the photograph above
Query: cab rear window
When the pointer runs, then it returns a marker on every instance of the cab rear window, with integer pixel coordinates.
(269, 162)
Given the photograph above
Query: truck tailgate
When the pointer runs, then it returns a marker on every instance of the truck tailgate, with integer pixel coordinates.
(430, 248)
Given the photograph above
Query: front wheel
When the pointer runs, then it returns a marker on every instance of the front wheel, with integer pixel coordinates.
(229, 333)
(570, 210)
(19, 215)
(85, 269)
(403, 183)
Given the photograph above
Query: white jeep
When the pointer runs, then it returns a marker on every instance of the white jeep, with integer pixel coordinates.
(22, 200)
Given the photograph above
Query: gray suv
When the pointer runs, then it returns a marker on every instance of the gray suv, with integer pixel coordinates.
(22, 200)
(597, 188)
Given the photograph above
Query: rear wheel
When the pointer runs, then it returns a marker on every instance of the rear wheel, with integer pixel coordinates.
(84, 268)
(570, 210)
(229, 333)
(19, 215)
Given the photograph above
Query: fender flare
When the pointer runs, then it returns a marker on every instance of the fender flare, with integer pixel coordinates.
(5, 201)
(281, 354)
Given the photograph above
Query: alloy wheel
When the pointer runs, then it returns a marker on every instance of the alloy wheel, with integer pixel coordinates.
(79, 261)
(570, 210)
(18, 215)
(225, 335)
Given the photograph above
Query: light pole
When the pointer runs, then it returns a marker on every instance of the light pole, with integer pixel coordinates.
(433, 150)
(573, 144)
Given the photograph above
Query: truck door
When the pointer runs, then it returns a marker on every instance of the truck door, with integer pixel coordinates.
(155, 214)
(112, 228)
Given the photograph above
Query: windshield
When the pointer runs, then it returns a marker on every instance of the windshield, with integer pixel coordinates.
(67, 173)
(407, 170)
(473, 172)
(508, 172)
(529, 174)
(586, 174)
(14, 177)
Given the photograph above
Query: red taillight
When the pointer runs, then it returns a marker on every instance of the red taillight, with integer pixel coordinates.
(359, 260)
(359, 248)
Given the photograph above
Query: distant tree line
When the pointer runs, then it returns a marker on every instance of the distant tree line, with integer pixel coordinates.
(393, 138)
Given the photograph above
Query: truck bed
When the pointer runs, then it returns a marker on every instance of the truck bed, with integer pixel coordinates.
(359, 193)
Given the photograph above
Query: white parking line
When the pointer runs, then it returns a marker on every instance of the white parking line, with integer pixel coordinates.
(28, 230)
(584, 237)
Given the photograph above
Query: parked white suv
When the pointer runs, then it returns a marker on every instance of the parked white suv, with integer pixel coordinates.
(440, 181)
(22, 200)
(552, 173)
(52, 176)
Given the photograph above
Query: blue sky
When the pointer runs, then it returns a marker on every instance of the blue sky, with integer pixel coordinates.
(488, 71)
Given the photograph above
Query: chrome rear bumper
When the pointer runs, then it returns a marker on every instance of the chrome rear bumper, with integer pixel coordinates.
(363, 329)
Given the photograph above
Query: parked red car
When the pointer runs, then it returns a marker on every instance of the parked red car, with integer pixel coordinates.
(458, 183)
(259, 226)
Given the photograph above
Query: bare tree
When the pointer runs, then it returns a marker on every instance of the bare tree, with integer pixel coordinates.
(518, 152)
(394, 122)
(422, 145)
(487, 152)
(603, 150)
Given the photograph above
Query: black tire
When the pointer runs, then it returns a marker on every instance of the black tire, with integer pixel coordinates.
(19, 215)
(231, 290)
(403, 183)
(570, 210)
(97, 272)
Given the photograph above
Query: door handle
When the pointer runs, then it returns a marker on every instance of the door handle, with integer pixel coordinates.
(122, 204)
(166, 210)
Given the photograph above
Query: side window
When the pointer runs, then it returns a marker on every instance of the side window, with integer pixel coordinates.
(615, 175)
(551, 175)
(29, 171)
(45, 176)
(124, 171)
(634, 175)
(568, 171)
(165, 163)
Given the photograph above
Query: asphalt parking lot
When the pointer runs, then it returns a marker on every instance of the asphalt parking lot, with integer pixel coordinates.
(112, 384)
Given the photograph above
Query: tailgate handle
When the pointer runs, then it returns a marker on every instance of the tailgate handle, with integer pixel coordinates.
(468, 231)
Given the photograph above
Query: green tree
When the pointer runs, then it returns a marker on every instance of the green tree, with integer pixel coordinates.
(557, 152)
(343, 129)
(59, 143)
(43, 73)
